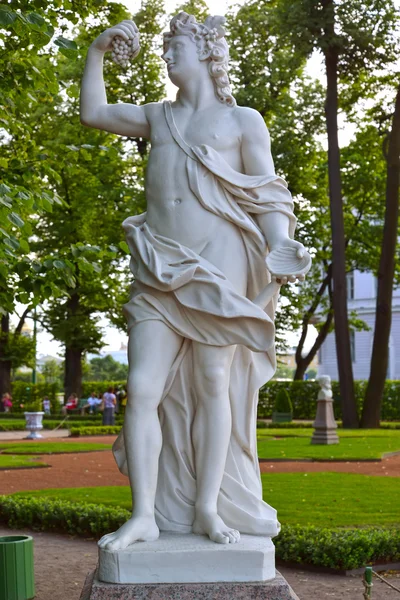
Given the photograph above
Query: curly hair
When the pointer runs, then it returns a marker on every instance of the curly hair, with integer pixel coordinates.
(211, 45)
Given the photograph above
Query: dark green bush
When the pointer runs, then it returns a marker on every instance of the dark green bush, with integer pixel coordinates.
(303, 395)
(334, 548)
(282, 402)
(29, 396)
(99, 430)
(338, 548)
(41, 514)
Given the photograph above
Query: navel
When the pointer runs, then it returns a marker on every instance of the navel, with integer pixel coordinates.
(177, 201)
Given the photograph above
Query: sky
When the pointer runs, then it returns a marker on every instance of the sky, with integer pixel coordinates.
(114, 338)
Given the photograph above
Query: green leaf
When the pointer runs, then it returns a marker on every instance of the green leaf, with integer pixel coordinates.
(36, 19)
(59, 264)
(5, 201)
(15, 219)
(12, 242)
(24, 245)
(62, 42)
(124, 246)
(7, 17)
(4, 189)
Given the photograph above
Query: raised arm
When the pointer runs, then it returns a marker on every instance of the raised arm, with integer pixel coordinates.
(123, 119)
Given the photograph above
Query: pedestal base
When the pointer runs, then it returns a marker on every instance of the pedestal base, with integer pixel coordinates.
(276, 589)
(325, 436)
(188, 558)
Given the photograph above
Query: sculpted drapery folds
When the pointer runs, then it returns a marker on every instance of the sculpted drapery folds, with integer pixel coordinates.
(200, 314)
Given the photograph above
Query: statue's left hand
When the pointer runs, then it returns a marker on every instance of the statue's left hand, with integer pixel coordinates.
(283, 278)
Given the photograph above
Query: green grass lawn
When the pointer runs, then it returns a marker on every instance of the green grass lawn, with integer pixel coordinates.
(50, 447)
(322, 499)
(354, 444)
(308, 431)
(15, 461)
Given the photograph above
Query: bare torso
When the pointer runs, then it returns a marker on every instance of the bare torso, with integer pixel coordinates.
(172, 209)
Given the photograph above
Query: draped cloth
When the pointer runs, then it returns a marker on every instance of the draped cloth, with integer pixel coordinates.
(190, 295)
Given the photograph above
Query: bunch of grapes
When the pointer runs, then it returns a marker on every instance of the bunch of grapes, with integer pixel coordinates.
(123, 51)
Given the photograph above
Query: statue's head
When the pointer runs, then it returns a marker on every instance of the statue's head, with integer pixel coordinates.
(189, 43)
(324, 381)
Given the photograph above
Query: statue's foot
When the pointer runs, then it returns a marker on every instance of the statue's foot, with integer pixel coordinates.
(137, 529)
(209, 523)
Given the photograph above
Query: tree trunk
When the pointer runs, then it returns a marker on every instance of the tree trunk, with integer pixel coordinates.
(73, 372)
(383, 318)
(5, 362)
(302, 362)
(342, 335)
(73, 355)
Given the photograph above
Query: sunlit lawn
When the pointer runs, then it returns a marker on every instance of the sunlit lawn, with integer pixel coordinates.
(15, 461)
(353, 445)
(50, 447)
(323, 499)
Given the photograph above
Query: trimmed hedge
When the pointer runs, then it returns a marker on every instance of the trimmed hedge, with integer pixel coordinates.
(41, 514)
(304, 397)
(302, 393)
(30, 395)
(338, 548)
(99, 430)
(334, 548)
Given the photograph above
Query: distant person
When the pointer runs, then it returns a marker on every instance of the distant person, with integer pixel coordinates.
(71, 404)
(121, 400)
(93, 403)
(120, 395)
(6, 402)
(46, 405)
(109, 403)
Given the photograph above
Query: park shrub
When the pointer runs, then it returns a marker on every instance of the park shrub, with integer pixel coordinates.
(304, 394)
(41, 514)
(99, 387)
(29, 396)
(334, 548)
(283, 409)
(338, 548)
(98, 430)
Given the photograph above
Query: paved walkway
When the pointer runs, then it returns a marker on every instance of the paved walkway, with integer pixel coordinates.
(7, 436)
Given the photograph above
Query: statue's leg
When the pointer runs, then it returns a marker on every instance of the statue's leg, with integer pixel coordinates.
(211, 435)
(152, 350)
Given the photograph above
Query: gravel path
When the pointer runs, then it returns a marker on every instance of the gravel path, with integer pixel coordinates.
(62, 563)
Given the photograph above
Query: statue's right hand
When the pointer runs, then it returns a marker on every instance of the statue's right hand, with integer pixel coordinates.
(126, 30)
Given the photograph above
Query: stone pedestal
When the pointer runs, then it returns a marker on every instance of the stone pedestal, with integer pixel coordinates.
(189, 558)
(189, 567)
(276, 589)
(325, 424)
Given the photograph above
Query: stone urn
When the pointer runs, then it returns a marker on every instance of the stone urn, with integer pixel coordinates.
(34, 424)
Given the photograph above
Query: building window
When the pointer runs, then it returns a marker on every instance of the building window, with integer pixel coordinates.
(350, 285)
(353, 346)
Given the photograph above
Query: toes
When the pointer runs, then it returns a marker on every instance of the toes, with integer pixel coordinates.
(232, 539)
(220, 538)
(114, 545)
(236, 535)
(105, 539)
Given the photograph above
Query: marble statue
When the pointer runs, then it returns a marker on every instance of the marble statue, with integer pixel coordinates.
(201, 309)
(325, 424)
